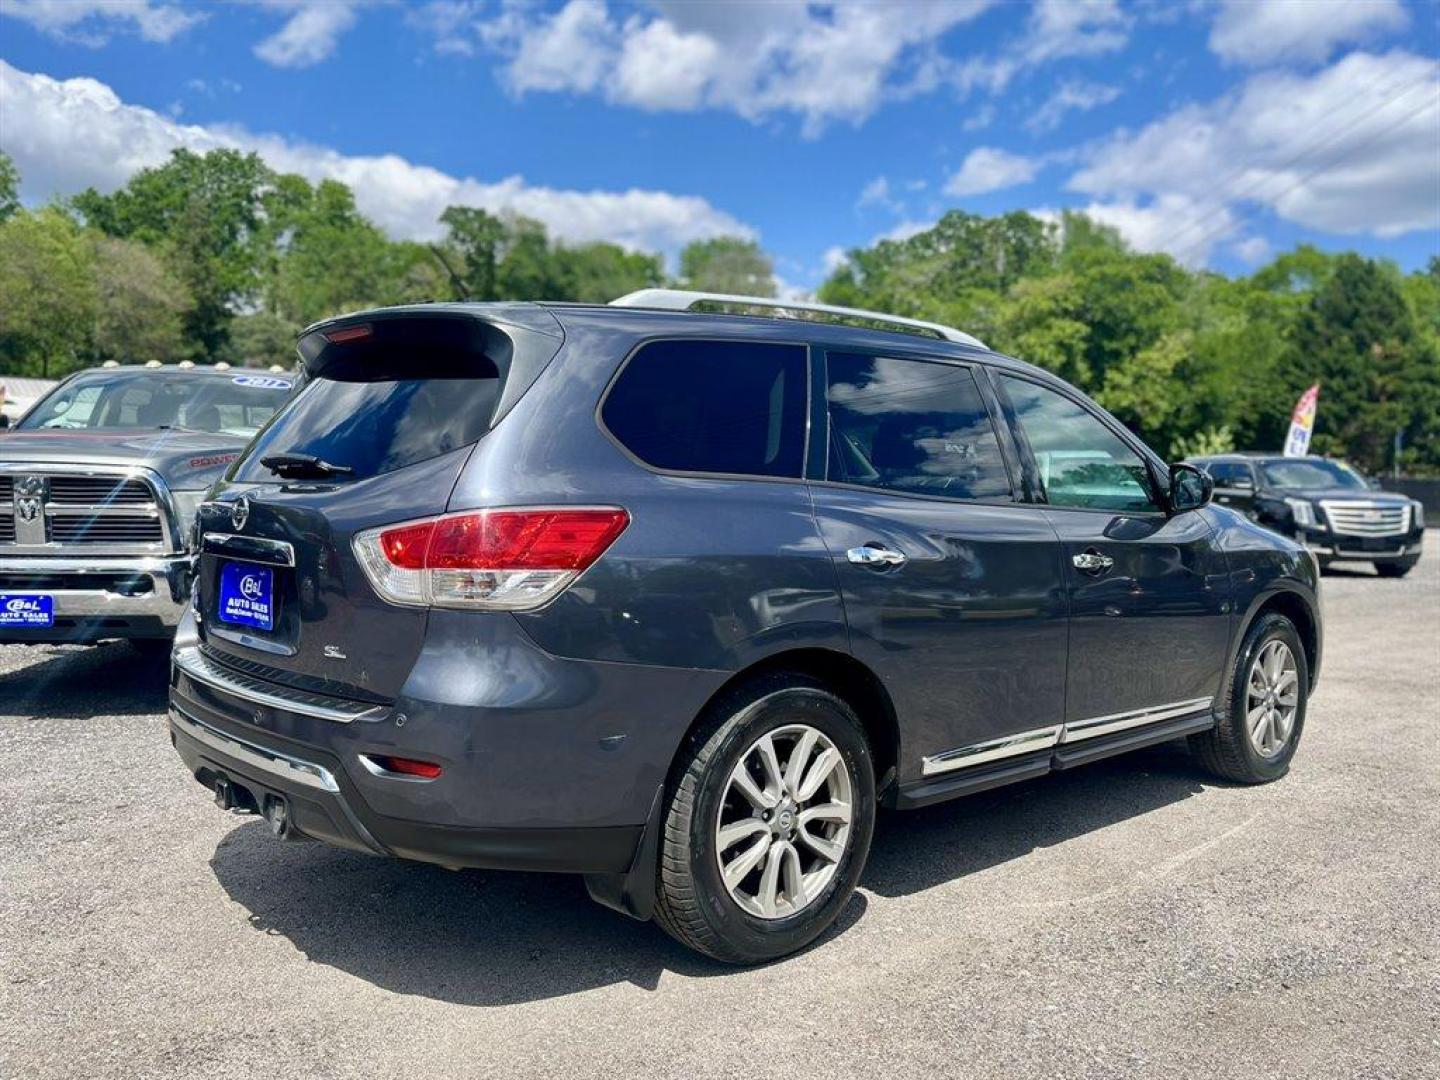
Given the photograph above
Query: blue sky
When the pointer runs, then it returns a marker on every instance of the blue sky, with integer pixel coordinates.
(1221, 132)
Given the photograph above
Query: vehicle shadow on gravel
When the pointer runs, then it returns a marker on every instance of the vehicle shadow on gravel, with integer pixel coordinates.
(481, 938)
(917, 850)
(472, 937)
(79, 682)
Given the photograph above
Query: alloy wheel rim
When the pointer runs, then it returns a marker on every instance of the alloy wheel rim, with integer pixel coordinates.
(1272, 699)
(784, 822)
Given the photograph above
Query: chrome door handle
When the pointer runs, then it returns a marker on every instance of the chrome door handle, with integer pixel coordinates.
(875, 556)
(1092, 562)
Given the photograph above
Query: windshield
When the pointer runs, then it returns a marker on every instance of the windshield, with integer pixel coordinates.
(1313, 474)
(150, 400)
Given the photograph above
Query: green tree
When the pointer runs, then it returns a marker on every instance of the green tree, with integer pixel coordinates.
(48, 297)
(262, 338)
(9, 187)
(205, 214)
(140, 304)
(1357, 338)
(727, 264)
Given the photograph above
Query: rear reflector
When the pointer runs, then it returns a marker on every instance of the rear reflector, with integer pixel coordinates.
(425, 770)
(499, 559)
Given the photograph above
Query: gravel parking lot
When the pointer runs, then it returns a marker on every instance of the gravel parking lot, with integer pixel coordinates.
(1129, 919)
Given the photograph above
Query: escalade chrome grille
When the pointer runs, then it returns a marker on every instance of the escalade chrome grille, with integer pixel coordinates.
(47, 511)
(1366, 518)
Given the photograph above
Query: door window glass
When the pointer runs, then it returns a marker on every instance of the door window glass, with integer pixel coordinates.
(911, 425)
(1081, 461)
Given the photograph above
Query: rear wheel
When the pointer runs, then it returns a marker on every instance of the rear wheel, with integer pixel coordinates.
(768, 825)
(1398, 568)
(1264, 712)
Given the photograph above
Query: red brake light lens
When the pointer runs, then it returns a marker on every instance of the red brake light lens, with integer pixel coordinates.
(348, 333)
(498, 559)
(405, 547)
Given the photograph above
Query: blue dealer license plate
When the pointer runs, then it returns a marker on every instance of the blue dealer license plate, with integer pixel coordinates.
(26, 610)
(247, 595)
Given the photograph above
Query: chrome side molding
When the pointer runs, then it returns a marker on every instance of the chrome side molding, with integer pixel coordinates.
(1027, 742)
(268, 761)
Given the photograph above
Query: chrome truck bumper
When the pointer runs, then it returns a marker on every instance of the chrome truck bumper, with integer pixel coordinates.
(94, 598)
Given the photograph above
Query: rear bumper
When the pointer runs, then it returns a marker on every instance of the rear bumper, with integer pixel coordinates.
(322, 805)
(99, 598)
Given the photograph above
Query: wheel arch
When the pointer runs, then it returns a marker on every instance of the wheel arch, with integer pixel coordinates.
(1300, 611)
(849, 679)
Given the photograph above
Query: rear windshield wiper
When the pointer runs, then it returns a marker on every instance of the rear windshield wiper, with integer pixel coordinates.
(302, 465)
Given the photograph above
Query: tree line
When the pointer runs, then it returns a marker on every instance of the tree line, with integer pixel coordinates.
(217, 257)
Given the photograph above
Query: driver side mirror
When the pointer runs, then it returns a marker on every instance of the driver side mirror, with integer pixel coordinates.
(1190, 489)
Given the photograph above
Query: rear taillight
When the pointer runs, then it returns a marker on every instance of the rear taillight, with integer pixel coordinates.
(507, 560)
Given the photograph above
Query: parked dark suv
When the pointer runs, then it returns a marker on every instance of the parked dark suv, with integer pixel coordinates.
(1324, 504)
(675, 600)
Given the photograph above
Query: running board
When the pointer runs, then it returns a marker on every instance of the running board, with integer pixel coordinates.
(1053, 759)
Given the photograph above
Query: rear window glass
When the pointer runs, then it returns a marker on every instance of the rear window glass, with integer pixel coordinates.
(376, 426)
(713, 407)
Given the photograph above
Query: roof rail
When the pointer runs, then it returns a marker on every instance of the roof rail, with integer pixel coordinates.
(682, 300)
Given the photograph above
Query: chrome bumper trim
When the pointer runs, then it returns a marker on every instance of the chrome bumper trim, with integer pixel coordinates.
(1027, 742)
(197, 667)
(272, 762)
(84, 603)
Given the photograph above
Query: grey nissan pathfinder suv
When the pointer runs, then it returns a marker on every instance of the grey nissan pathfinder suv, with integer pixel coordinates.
(673, 595)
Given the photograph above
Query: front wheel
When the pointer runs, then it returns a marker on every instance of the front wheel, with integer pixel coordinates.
(1264, 713)
(768, 825)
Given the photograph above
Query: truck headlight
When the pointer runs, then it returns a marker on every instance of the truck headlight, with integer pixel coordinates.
(187, 503)
(1417, 515)
(1302, 511)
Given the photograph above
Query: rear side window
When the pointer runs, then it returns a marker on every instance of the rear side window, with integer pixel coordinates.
(376, 426)
(914, 426)
(729, 407)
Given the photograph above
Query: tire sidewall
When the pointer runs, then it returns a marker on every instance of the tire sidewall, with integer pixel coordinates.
(764, 939)
(1268, 628)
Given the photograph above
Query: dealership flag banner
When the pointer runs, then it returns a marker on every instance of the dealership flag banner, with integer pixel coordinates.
(1302, 422)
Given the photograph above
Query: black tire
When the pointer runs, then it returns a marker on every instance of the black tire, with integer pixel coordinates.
(1226, 750)
(152, 649)
(693, 904)
(1398, 568)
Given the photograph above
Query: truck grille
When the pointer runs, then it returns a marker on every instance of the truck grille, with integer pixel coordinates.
(1367, 518)
(43, 512)
(7, 511)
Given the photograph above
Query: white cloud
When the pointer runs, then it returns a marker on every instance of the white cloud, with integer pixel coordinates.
(904, 231)
(1251, 249)
(71, 134)
(310, 34)
(1255, 32)
(1060, 28)
(987, 168)
(833, 259)
(824, 63)
(1349, 149)
(1077, 95)
(980, 118)
(90, 22)
(1152, 226)
(878, 192)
